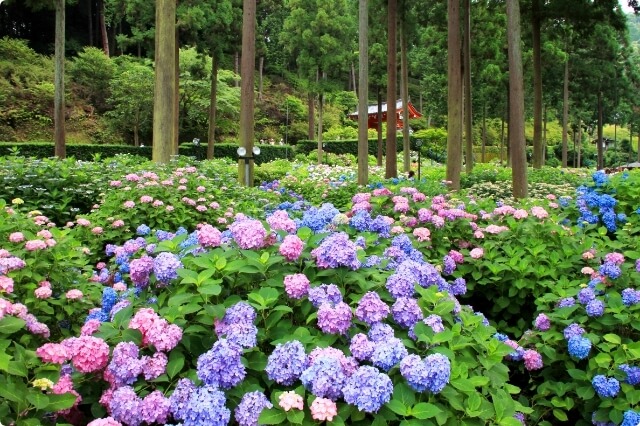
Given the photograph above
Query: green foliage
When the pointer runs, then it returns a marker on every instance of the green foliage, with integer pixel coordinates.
(91, 72)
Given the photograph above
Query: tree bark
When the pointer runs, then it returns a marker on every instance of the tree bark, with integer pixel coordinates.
(404, 80)
(454, 97)
(165, 82)
(565, 114)
(468, 112)
(320, 123)
(579, 149)
(60, 150)
(310, 117)
(600, 140)
(516, 104)
(363, 93)
(245, 174)
(538, 157)
(391, 169)
(176, 99)
(501, 141)
(213, 104)
(379, 153)
(353, 77)
(103, 28)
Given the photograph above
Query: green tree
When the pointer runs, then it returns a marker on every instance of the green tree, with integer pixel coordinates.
(454, 99)
(91, 72)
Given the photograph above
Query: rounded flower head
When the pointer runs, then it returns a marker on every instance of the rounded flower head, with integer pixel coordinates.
(289, 400)
(221, 366)
(605, 387)
(388, 353)
(573, 330)
(206, 406)
(88, 353)
(368, 389)
(287, 362)
(579, 347)
(124, 406)
(532, 360)
(323, 409)
(595, 308)
(542, 322)
(633, 374)
(361, 347)
(431, 374)
(325, 378)
(371, 308)
(291, 247)
(334, 319)
(165, 266)
(296, 285)
(406, 312)
(250, 407)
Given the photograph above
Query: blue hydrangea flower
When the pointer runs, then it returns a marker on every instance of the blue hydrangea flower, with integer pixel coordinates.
(143, 230)
(206, 406)
(459, 287)
(406, 312)
(633, 374)
(388, 353)
(610, 269)
(250, 407)
(573, 330)
(595, 308)
(371, 308)
(287, 362)
(379, 332)
(567, 301)
(579, 346)
(325, 378)
(240, 312)
(431, 374)
(630, 418)
(165, 266)
(221, 366)
(605, 387)
(180, 398)
(325, 293)
(586, 295)
(368, 389)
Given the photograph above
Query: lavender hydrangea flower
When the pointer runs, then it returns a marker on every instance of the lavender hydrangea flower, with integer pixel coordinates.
(287, 362)
(336, 250)
(180, 398)
(140, 270)
(459, 287)
(388, 353)
(605, 387)
(595, 308)
(165, 266)
(125, 365)
(334, 319)
(633, 374)
(243, 334)
(630, 297)
(610, 269)
(401, 285)
(155, 408)
(573, 330)
(431, 374)
(448, 265)
(325, 293)
(566, 302)
(241, 312)
(586, 295)
(125, 406)
(368, 389)
(380, 332)
(325, 378)
(221, 366)
(579, 346)
(250, 407)
(406, 312)
(542, 322)
(371, 308)
(361, 347)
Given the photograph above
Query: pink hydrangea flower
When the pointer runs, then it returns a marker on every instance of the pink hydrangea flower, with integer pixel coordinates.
(90, 327)
(109, 421)
(50, 242)
(520, 214)
(477, 253)
(588, 255)
(201, 208)
(43, 292)
(422, 234)
(539, 212)
(119, 223)
(208, 236)
(44, 233)
(97, 230)
(119, 286)
(323, 409)
(129, 204)
(16, 237)
(54, 353)
(83, 222)
(201, 188)
(146, 199)
(157, 203)
(289, 400)
(615, 258)
(397, 230)
(291, 247)
(115, 183)
(6, 284)
(88, 353)
(170, 208)
(74, 294)
(296, 285)
(33, 245)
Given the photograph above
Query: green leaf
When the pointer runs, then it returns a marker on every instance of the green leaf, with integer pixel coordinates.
(211, 288)
(175, 364)
(560, 415)
(10, 324)
(295, 416)
(38, 400)
(221, 263)
(397, 407)
(271, 416)
(179, 299)
(612, 338)
(60, 402)
(424, 410)
(17, 368)
(11, 393)
(404, 394)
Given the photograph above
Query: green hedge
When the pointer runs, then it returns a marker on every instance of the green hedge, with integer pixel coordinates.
(87, 152)
(349, 146)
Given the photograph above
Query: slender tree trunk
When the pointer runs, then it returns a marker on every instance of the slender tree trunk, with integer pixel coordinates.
(501, 141)
(484, 132)
(60, 150)
(507, 146)
(544, 135)
(213, 107)
(454, 98)
(236, 65)
(245, 167)
(320, 123)
(353, 78)
(391, 169)
(260, 70)
(565, 114)
(312, 126)
(468, 113)
(379, 156)
(363, 93)
(579, 150)
(404, 81)
(516, 105)
(176, 99)
(165, 82)
(103, 28)
(600, 140)
(136, 136)
(574, 136)
(538, 157)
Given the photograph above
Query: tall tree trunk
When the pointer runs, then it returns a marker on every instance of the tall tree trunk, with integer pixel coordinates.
(136, 133)
(236, 64)
(517, 140)
(353, 78)
(60, 150)
(320, 123)
(579, 149)
(544, 135)
(565, 113)
(404, 82)
(468, 113)
(176, 99)
(379, 152)
(363, 93)
(213, 107)
(245, 168)
(600, 139)
(103, 28)
(310, 117)
(260, 70)
(538, 157)
(454, 97)
(501, 141)
(165, 82)
(391, 169)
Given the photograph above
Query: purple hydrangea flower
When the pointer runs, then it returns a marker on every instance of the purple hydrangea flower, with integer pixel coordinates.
(243, 334)
(400, 285)
(630, 297)
(325, 378)
(165, 266)
(542, 322)
(221, 366)
(336, 250)
(459, 287)
(250, 407)
(125, 406)
(241, 312)
(566, 302)
(361, 347)
(388, 353)
(448, 265)
(610, 269)
(206, 406)
(406, 312)
(155, 408)
(586, 295)
(532, 360)
(325, 293)
(379, 332)
(180, 398)
(573, 330)
(371, 308)
(368, 389)
(633, 373)
(125, 366)
(140, 270)
(248, 233)
(595, 308)
(334, 319)
(287, 362)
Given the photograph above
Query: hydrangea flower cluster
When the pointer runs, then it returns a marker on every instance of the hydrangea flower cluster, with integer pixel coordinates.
(368, 389)
(250, 407)
(221, 366)
(429, 374)
(156, 330)
(371, 308)
(336, 250)
(237, 325)
(605, 387)
(287, 362)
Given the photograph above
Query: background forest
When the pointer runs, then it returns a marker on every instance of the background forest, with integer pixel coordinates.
(302, 51)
